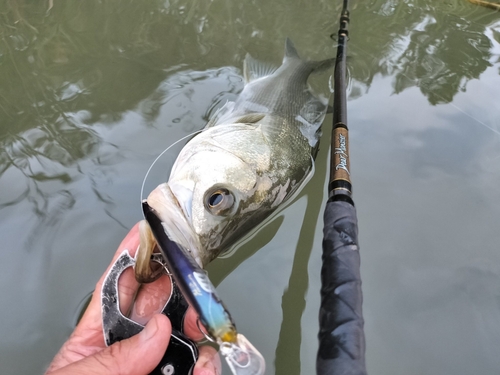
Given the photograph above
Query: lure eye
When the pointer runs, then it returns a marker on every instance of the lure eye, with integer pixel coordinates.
(219, 201)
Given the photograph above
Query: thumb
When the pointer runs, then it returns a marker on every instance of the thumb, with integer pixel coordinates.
(137, 355)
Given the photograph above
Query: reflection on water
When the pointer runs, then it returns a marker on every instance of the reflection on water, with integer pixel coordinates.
(91, 92)
(436, 46)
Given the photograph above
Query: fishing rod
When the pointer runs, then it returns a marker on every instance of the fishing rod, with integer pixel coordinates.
(341, 336)
(487, 4)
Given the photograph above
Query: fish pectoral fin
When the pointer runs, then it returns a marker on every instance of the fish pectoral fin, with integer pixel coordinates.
(310, 118)
(272, 128)
(224, 116)
(315, 109)
(254, 69)
(219, 114)
(250, 118)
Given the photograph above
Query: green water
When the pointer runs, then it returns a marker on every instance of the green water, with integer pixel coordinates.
(92, 91)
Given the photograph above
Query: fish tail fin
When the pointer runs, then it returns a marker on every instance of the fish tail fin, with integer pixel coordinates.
(291, 53)
(321, 66)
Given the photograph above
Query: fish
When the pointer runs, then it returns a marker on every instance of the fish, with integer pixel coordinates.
(252, 157)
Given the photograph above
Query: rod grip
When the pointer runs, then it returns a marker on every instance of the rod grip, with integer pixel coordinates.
(341, 336)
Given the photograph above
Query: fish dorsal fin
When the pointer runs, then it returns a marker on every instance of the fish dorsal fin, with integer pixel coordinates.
(254, 69)
(290, 50)
(250, 118)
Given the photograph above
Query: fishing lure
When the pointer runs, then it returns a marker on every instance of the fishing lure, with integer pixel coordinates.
(241, 356)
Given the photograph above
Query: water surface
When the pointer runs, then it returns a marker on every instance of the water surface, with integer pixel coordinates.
(91, 92)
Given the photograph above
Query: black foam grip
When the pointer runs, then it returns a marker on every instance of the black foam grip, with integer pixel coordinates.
(341, 336)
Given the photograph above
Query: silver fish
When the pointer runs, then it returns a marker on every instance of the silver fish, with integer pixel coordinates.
(251, 158)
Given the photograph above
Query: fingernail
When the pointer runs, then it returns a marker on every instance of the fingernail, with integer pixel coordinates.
(150, 330)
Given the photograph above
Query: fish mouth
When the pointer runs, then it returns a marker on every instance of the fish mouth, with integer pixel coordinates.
(175, 218)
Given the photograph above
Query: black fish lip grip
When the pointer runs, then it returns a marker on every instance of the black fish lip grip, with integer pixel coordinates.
(181, 354)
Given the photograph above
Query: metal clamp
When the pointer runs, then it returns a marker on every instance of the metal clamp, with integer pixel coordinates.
(181, 354)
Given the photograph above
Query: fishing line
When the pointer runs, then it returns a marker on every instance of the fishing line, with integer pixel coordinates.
(417, 84)
(159, 156)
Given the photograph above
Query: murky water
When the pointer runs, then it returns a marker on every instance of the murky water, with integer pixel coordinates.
(92, 91)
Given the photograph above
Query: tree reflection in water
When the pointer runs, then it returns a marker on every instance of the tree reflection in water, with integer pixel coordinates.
(62, 68)
(437, 46)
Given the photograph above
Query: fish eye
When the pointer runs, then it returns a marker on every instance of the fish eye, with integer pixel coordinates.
(219, 201)
(215, 199)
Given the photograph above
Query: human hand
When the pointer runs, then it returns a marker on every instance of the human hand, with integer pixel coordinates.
(86, 353)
